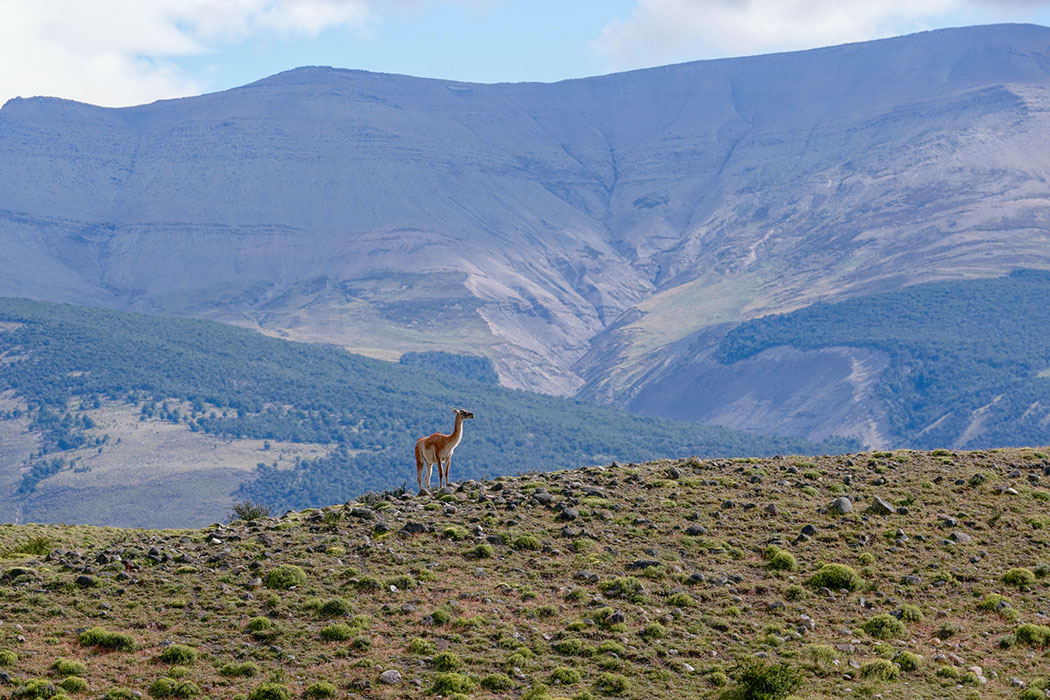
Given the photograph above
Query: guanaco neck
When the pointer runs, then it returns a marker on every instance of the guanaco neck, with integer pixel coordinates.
(457, 432)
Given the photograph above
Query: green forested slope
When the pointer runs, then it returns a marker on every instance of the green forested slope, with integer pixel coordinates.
(955, 348)
(242, 384)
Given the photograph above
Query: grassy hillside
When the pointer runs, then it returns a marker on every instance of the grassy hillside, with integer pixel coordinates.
(968, 360)
(65, 361)
(676, 579)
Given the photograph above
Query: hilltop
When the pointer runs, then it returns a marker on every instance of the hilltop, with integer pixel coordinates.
(117, 418)
(579, 234)
(664, 579)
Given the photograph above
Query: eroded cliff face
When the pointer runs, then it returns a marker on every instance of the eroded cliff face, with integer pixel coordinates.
(575, 232)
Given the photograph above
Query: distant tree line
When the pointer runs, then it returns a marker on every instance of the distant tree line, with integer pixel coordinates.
(235, 383)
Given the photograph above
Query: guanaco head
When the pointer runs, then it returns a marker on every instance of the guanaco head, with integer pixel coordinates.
(461, 412)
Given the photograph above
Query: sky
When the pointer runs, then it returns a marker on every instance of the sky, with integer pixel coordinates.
(123, 52)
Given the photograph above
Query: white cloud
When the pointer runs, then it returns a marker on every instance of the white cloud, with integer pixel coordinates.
(668, 30)
(120, 52)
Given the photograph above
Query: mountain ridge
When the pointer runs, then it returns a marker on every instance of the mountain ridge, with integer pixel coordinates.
(572, 232)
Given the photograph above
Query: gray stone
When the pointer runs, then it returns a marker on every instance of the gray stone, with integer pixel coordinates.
(960, 537)
(880, 506)
(390, 677)
(841, 505)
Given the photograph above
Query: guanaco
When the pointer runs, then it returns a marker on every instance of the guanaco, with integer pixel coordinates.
(438, 448)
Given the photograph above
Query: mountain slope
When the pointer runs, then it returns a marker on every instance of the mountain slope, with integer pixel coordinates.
(663, 580)
(137, 419)
(956, 364)
(574, 232)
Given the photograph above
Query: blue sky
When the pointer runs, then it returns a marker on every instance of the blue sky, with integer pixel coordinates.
(119, 52)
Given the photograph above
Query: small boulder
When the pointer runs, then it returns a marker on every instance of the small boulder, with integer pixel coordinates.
(390, 677)
(880, 506)
(841, 505)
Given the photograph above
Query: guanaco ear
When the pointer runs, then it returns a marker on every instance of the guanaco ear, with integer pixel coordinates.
(455, 410)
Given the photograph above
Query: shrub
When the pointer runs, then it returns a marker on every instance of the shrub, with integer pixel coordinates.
(654, 630)
(249, 512)
(115, 641)
(441, 616)
(564, 675)
(611, 684)
(120, 694)
(538, 691)
(259, 624)
(270, 691)
(163, 688)
(836, 577)
(681, 600)
(368, 583)
(36, 688)
(8, 657)
(946, 631)
(482, 551)
(1019, 577)
(866, 558)
(336, 607)
(421, 647)
(819, 658)
(243, 670)
(320, 690)
(780, 560)
(179, 654)
(525, 542)
(1033, 635)
(68, 667)
(361, 644)
(284, 577)
(337, 633)
(403, 582)
(622, 587)
(454, 532)
(497, 681)
(447, 661)
(573, 647)
(908, 661)
(74, 684)
(449, 683)
(993, 601)
(880, 669)
(794, 592)
(187, 689)
(758, 681)
(911, 613)
(884, 626)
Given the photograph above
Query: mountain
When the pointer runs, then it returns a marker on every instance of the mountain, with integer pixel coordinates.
(674, 579)
(584, 235)
(118, 418)
(958, 364)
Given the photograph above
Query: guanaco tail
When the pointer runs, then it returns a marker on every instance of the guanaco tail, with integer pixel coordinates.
(438, 448)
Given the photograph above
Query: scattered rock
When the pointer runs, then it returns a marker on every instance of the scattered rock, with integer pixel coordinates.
(841, 505)
(390, 677)
(880, 506)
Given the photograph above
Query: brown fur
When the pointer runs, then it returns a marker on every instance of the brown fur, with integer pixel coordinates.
(438, 448)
